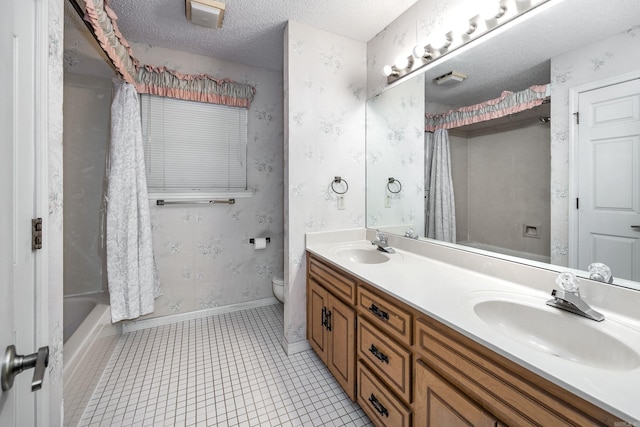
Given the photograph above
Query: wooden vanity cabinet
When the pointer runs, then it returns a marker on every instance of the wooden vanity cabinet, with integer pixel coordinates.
(507, 391)
(405, 368)
(331, 325)
(438, 403)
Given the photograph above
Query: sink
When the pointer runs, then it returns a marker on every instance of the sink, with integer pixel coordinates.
(362, 255)
(531, 322)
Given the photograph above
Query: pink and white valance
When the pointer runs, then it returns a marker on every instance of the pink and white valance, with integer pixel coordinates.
(160, 80)
(507, 103)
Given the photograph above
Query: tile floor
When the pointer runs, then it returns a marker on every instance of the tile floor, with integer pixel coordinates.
(224, 370)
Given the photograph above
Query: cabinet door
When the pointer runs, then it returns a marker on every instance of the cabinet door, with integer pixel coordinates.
(438, 403)
(317, 302)
(341, 353)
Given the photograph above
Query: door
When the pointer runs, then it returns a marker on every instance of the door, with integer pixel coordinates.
(439, 403)
(316, 314)
(609, 179)
(17, 181)
(341, 357)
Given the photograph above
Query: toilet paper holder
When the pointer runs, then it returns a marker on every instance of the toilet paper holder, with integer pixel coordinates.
(252, 240)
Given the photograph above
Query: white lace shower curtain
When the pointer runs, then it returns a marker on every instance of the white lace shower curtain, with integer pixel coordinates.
(131, 270)
(441, 208)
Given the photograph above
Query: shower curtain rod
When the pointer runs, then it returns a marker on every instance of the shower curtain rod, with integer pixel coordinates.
(80, 12)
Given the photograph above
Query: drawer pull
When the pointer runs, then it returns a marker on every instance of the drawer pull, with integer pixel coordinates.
(381, 409)
(381, 314)
(380, 355)
(326, 319)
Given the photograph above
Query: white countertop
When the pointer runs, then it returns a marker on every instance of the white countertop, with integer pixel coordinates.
(447, 293)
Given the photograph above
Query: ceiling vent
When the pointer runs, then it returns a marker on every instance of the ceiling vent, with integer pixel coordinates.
(451, 78)
(207, 13)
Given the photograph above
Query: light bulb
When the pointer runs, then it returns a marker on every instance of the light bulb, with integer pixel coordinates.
(492, 9)
(466, 27)
(388, 70)
(439, 42)
(419, 51)
(402, 62)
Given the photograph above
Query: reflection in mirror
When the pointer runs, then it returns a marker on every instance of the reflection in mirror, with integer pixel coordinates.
(514, 193)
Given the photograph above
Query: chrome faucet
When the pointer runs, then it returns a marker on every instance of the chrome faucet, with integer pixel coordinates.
(600, 272)
(381, 243)
(410, 233)
(568, 298)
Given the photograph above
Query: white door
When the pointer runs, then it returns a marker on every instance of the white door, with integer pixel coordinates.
(17, 203)
(609, 179)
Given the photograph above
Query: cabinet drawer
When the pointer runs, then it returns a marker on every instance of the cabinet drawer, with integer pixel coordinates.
(386, 358)
(381, 406)
(341, 285)
(385, 315)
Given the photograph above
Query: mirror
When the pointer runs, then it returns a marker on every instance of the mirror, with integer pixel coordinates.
(568, 45)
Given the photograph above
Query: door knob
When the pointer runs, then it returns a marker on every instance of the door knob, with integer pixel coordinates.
(13, 364)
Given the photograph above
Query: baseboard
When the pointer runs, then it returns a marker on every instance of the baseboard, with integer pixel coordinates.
(137, 325)
(296, 347)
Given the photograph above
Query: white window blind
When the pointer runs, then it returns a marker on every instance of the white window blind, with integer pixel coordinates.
(193, 146)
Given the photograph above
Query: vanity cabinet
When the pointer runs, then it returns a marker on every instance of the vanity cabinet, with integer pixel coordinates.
(509, 392)
(438, 403)
(411, 369)
(331, 325)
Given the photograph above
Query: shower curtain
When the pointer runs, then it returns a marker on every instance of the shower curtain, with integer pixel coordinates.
(131, 271)
(441, 209)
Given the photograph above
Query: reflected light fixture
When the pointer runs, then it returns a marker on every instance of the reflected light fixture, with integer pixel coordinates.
(206, 13)
(452, 77)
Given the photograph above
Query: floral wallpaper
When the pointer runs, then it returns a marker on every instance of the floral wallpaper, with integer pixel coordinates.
(395, 148)
(325, 78)
(54, 221)
(590, 63)
(203, 254)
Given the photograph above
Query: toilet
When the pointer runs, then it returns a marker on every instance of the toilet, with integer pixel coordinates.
(278, 288)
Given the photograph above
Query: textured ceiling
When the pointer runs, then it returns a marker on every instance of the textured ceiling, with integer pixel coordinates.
(252, 31)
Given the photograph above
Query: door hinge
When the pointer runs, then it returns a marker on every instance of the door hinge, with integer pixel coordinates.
(36, 234)
(577, 114)
(577, 203)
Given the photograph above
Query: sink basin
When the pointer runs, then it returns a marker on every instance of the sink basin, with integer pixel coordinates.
(362, 255)
(565, 335)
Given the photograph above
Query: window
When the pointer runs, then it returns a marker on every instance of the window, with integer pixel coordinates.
(193, 147)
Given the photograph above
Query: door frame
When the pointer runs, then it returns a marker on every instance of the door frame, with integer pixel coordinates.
(43, 330)
(574, 163)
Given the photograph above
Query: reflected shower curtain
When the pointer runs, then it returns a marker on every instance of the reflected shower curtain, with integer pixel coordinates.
(131, 270)
(441, 209)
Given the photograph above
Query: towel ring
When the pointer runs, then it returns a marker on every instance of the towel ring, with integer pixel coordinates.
(394, 181)
(339, 180)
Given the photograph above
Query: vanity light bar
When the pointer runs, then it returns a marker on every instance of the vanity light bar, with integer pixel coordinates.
(501, 12)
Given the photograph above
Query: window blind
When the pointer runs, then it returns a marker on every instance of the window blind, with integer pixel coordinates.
(193, 146)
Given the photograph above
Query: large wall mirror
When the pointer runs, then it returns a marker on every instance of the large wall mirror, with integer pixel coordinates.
(515, 179)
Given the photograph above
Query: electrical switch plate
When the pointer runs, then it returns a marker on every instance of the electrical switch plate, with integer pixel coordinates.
(341, 203)
(387, 201)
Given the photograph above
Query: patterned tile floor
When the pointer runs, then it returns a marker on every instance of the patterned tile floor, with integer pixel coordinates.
(224, 370)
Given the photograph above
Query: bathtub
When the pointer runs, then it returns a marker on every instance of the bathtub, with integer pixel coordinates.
(504, 251)
(86, 320)
(89, 341)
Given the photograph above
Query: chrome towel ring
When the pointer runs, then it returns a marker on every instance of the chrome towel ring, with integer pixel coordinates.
(339, 180)
(396, 184)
